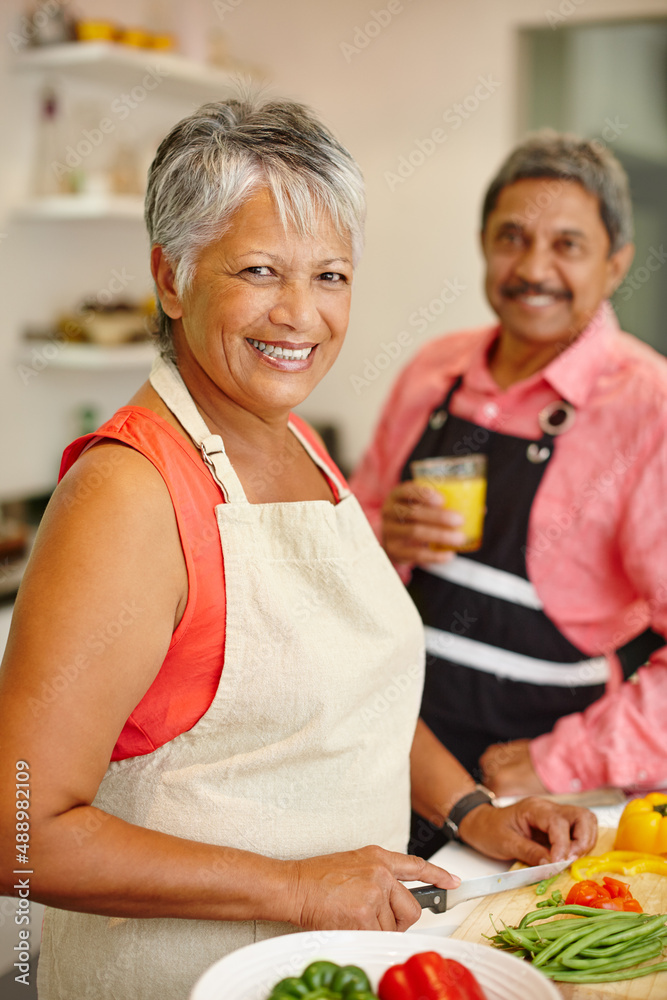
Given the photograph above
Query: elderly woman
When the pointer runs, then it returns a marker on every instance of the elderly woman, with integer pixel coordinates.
(200, 674)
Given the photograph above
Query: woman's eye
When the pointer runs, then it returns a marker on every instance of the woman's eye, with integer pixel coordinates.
(333, 276)
(259, 269)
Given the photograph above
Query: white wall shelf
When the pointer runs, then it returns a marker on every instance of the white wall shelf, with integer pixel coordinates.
(82, 206)
(121, 66)
(96, 357)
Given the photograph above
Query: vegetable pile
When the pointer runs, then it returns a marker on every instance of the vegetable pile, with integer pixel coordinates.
(426, 976)
(599, 946)
(325, 981)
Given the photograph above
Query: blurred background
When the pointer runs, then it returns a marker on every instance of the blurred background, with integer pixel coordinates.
(429, 96)
(81, 121)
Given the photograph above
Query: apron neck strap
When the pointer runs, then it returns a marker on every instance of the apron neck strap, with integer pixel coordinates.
(455, 386)
(172, 390)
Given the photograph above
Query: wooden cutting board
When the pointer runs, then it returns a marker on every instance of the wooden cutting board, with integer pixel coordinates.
(650, 890)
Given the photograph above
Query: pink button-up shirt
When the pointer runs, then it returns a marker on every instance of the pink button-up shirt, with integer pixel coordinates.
(597, 538)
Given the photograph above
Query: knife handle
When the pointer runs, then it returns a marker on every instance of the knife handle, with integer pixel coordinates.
(430, 897)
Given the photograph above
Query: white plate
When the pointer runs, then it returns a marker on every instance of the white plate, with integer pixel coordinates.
(250, 973)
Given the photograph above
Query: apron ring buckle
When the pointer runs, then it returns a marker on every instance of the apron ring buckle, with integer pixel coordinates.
(556, 417)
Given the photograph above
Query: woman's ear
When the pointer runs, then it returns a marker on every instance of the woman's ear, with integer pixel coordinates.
(163, 276)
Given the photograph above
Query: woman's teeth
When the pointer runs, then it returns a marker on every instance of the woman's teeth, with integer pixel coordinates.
(280, 352)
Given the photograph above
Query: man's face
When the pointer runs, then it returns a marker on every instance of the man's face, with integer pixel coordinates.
(548, 266)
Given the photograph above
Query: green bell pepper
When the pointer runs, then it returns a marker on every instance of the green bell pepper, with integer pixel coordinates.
(324, 980)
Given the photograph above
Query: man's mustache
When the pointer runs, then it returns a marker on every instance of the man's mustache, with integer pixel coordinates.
(527, 288)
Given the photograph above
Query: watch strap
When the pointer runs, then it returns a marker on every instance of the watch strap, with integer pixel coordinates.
(479, 797)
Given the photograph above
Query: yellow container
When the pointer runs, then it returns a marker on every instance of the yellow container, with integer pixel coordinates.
(461, 481)
(136, 38)
(163, 42)
(95, 31)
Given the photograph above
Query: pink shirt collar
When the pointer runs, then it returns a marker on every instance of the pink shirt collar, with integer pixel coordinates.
(572, 374)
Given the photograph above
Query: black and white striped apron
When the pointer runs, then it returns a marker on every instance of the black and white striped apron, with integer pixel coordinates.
(497, 667)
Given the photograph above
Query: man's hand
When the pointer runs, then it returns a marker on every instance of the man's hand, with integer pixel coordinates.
(532, 830)
(508, 769)
(417, 528)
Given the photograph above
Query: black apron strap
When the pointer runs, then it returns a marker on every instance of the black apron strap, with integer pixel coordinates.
(635, 653)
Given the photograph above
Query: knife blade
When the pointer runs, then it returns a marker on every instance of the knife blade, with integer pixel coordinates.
(438, 900)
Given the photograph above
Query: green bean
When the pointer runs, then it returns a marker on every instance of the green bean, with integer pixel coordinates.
(649, 927)
(618, 949)
(576, 939)
(544, 885)
(554, 928)
(591, 945)
(631, 956)
(605, 977)
(598, 934)
(579, 911)
(547, 930)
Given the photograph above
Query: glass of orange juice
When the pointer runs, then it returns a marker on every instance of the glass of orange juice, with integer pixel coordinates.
(462, 482)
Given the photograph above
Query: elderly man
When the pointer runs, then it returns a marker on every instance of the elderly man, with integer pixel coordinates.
(532, 675)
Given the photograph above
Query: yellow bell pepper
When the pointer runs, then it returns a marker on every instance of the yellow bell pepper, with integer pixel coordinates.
(619, 862)
(643, 825)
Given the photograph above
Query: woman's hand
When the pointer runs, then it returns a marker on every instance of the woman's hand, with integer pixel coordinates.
(359, 890)
(417, 528)
(532, 830)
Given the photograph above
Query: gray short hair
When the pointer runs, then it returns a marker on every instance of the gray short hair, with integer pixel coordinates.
(213, 160)
(566, 157)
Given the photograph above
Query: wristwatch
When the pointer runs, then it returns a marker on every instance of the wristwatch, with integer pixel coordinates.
(481, 796)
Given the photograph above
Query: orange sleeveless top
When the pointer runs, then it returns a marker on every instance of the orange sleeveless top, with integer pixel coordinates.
(189, 676)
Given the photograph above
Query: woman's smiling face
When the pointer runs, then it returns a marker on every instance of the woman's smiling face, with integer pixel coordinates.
(266, 312)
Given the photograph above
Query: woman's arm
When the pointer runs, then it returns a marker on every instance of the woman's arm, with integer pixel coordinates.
(104, 590)
(439, 781)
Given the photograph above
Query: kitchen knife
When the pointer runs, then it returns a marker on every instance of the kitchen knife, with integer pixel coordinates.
(438, 900)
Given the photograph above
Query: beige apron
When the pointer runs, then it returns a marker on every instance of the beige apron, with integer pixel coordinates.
(304, 749)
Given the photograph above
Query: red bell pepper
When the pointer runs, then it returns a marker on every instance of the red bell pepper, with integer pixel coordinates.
(429, 976)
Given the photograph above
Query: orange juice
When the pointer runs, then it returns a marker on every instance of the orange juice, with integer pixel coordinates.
(462, 484)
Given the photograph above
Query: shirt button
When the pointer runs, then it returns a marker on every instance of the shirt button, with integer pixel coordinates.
(641, 776)
(575, 785)
(490, 410)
